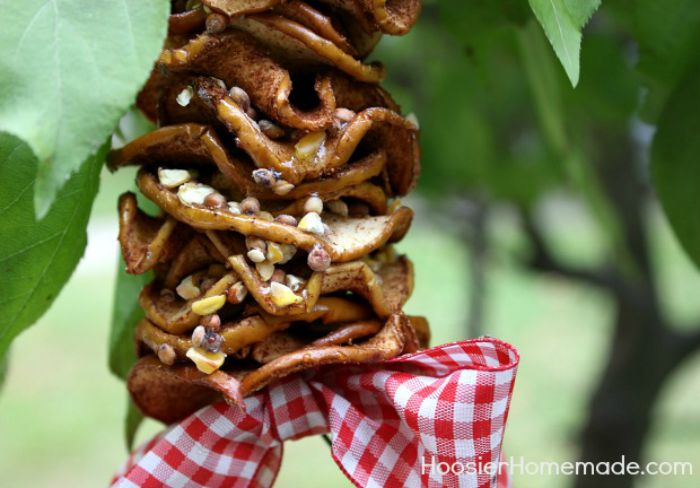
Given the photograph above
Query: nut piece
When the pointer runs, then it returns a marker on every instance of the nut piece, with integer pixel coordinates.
(256, 255)
(172, 178)
(215, 200)
(192, 193)
(344, 114)
(278, 276)
(263, 215)
(313, 204)
(212, 322)
(265, 177)
(187, 289)
(288, 252)
(286, 220)
(250, 206)
(240, 96)
(274, 253)
(198, 335)
(311, 222)
(270, 129)
(212, 341)
(293, 282)
(308, 146)
(183, 98)
(318, 259)
(236, 293)
(234, 207)
(216, 23)
(338, 207)
(265, 270)
(282, 187)
(208, 305)
(166, 354)
(207, 362)
(282, 295)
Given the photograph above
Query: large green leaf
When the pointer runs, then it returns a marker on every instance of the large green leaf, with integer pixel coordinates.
(667, 33)
(562, 21)
(38, 257)
(675, 159)
(126, 313)
(68, 70)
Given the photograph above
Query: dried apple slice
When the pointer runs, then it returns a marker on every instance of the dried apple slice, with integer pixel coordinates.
(170, 393)
(346, 239)
(175, 315)
(194, 144)
(387, 343)
(235, 335)
(296, 43)
(373, 129)
(390, 16)
(386, 290)
(239, 60)
(145, 240)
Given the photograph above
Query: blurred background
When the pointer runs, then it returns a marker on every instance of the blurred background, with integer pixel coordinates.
(534, 223)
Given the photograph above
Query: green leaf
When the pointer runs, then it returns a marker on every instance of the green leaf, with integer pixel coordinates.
(472, 22)
(132, 422)
(675, 162)
(38, 257)
(68, 70)
(668, 34)
(562, 21)
(126, 312)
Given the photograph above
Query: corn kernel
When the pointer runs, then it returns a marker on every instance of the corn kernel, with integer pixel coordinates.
(207, 362)
(311, 222)
(208, 305)
(187, 289)
(282, 295)
(265, 269)
(308, 146)
(172, 178)
(274, 253)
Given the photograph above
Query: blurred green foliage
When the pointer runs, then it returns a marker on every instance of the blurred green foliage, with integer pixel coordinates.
(501, 120)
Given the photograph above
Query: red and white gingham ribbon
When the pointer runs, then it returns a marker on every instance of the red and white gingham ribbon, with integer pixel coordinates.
(387, 421)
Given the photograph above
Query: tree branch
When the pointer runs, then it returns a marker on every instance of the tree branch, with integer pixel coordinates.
(542, 259)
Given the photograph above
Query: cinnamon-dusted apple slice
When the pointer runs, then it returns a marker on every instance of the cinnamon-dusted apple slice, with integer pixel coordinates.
(170, 393)
(194, 144)
(145, 240)
(317, 153)
(239, 60)
(320, 23)
(284, 342)
(181, 23)
(344, 239)
(198, 253)
(386, 289)
(234, 335)
(296, 43)
(389, 16)
(389, 342)
(372, 195)
(176, 315)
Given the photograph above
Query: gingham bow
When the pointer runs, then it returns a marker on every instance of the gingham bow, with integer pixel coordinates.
(403, 422)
